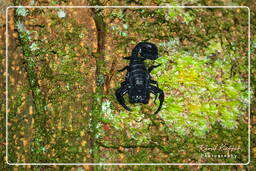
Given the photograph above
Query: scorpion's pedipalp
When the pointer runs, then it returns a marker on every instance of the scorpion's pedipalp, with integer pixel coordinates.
(161, 99)
(119, 95)
(156, 83)
(155, 90)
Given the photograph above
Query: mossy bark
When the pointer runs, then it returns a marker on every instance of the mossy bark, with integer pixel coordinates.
(40, 137)
(100, 79)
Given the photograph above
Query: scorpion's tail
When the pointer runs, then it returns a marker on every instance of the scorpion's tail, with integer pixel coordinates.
(146, 50)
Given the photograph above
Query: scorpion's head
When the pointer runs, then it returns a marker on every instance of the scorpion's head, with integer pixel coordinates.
(138, 94)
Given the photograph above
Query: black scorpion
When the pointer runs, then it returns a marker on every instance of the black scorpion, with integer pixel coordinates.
(138, 83)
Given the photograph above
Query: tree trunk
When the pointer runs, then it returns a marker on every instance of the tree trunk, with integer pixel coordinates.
(40, 135)
(100, 79)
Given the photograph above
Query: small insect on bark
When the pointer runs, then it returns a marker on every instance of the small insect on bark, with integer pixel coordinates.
(138, 83)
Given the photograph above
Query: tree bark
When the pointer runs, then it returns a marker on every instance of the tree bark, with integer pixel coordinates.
(40, 137)
(100, 79)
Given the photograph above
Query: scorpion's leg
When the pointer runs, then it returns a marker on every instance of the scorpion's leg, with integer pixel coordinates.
(128, 57)
(132, 57)
(152, 67)
(154, 82)
(119, 95)
(123, 83)
(124, 68)
(155, 90)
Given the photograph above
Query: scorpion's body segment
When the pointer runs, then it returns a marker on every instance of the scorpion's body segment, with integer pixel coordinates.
(138, 77)
(138, 83)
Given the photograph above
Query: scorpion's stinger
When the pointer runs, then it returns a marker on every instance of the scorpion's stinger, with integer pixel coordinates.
(119, 95)
(155, 90)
